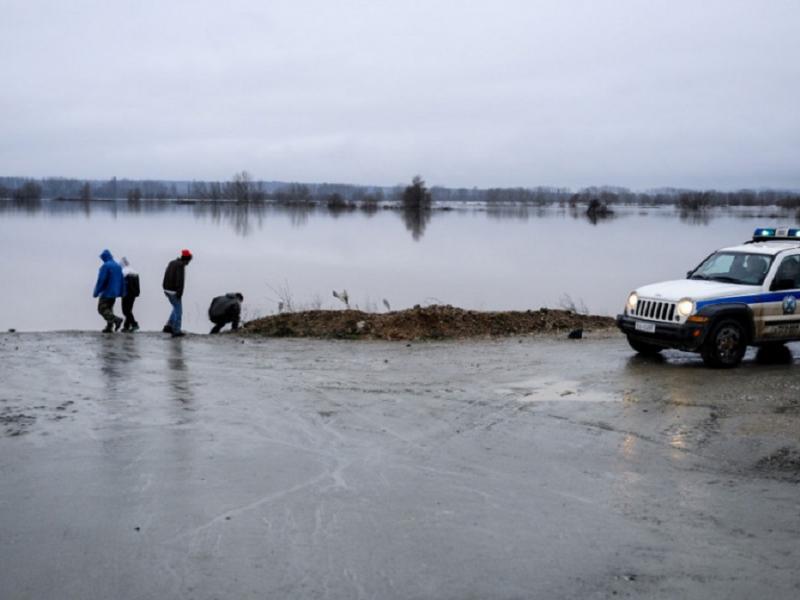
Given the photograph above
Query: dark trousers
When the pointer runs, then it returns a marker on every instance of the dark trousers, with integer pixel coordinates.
(127, 310)
(105, 306)
(218, 325)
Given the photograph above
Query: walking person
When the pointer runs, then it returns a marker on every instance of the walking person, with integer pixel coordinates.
(173, 289)
(110, 286)
(131, 293)
(225, 309)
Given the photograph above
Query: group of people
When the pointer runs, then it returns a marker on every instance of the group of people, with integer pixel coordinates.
(119, 280)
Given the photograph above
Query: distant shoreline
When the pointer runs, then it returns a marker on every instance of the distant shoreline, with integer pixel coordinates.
(243, 189)
(388, 204)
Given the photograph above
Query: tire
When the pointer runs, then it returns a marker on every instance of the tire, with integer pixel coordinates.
(644, 348)
(725, 345)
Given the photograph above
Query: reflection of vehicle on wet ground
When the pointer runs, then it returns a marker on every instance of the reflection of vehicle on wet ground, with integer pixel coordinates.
(739, 296)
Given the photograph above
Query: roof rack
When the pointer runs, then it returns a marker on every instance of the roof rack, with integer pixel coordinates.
(765, 234)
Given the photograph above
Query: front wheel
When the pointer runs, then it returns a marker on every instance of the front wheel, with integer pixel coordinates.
(725, 345)
(643, 347)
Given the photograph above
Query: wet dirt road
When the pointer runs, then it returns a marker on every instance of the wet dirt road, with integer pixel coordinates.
(145, 467)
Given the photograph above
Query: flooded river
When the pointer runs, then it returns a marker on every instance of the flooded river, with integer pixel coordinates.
(511, 258)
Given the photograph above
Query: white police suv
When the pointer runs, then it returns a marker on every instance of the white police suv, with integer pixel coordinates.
(739, 296)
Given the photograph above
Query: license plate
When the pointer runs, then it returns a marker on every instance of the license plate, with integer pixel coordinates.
(646, 327)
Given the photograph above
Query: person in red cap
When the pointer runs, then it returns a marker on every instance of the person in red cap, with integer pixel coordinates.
(173, 290)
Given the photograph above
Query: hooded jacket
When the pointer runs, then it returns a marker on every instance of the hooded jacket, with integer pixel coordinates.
(225, 308)
(131, 279)
(110, 283)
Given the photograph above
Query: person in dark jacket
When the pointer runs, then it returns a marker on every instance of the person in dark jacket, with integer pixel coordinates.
(225, 309)
(131, 293)
(173, 290)
(110, 286)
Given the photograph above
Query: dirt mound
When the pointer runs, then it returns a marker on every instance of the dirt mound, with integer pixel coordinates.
(430, 322)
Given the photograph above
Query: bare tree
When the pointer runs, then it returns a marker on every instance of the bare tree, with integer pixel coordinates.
(134, 195)
(241, 187)
(30, 191)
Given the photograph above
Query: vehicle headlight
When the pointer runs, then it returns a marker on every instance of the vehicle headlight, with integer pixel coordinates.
(685, 307)
(633, 300)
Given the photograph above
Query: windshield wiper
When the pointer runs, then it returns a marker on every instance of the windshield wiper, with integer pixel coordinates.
(726, 279)
(698, 276)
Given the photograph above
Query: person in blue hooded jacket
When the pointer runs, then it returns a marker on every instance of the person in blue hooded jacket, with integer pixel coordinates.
(110, 286)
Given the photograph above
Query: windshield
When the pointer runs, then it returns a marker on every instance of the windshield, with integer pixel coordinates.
(734, 267)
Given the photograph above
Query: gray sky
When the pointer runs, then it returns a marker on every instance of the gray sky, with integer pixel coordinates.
(699, 93)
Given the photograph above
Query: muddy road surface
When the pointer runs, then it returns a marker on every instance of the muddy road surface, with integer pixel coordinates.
(138, 467)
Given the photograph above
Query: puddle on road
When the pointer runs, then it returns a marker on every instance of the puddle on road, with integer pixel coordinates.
(543, 389)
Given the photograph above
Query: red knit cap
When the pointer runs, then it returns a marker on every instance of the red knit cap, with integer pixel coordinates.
(185, 253)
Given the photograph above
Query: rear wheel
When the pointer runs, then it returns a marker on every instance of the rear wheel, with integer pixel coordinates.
(725, 345)
(643, 347)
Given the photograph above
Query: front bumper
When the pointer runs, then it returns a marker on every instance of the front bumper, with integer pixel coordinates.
(687, 336)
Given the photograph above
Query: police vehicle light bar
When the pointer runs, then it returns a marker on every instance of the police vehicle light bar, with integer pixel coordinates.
(775, 233)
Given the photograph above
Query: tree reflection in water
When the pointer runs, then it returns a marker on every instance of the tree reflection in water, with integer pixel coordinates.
(416, 219)
(414, 207)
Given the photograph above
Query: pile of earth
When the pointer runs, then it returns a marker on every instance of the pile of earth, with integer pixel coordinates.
(418, 323)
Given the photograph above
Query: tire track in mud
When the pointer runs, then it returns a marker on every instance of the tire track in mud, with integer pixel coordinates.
(239, 510)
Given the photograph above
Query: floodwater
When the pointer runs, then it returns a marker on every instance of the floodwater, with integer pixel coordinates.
(142, 467)
(509, 258)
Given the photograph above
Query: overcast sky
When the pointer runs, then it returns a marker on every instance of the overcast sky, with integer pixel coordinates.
(645, 93)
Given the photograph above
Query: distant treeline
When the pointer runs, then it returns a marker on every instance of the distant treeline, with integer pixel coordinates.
(242, 188)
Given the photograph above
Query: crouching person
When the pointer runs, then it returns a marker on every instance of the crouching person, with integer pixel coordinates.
(225, 309)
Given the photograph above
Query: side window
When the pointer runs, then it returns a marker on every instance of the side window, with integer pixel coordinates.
(787, 277)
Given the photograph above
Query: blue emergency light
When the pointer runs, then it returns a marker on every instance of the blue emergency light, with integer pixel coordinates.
(774, 233)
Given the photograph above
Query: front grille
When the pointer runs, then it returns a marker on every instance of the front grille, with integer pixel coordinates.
(655, 310)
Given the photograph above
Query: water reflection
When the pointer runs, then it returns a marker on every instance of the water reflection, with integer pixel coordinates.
(298, 214)
(629, 447)
(110, 361)
(118, 358)
(595, 217)
(641, 361)
(695, 217)
(520, 212)
(25, 206)
(510, 257)
(416, 219)
(598, 211)
(246, 218)
(178, 374)
(241, 218)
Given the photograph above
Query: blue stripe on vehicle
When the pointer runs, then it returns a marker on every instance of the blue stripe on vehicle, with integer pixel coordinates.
(754, 299)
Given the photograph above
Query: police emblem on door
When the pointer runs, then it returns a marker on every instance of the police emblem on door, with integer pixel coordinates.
(789, 305)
